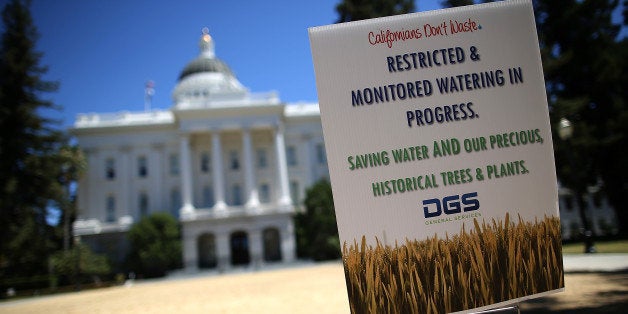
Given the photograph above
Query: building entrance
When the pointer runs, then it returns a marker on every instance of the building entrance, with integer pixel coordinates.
(240, 249)
(272, 245)
(206, 246)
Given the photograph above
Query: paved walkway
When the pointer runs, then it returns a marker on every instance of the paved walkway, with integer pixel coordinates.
(311, 288)
(595, 262)
(572, 263)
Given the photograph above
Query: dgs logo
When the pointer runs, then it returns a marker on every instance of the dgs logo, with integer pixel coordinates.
(452, 204)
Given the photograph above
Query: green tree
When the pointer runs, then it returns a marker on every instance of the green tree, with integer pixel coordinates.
(316, 229)
(155, 245)
(28, 149)
(585, 67)
(614, 169)
(73, 164)
(456, 3)
(355, 10)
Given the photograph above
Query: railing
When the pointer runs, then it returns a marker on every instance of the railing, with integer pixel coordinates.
(234, 211)
(95, 226)
(236, 100)
(123, 118)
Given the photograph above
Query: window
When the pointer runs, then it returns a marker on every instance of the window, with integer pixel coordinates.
(175, 202)
(173, 164)
(142, 167)
(294, 191)
(570, 202)
(597, 199)
(110, 168)
(264, 193)
(291, 153)
(208, 196)
(236, 193)
(205, 162)
(320, 153)
(262, 160)
(143, 200)
(111, 209)
(234, 160)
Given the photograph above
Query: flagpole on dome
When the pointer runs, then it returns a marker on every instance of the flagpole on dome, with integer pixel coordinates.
(149, 91)
(207, 44)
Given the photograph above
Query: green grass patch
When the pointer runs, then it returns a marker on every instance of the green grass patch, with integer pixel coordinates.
(619, 246)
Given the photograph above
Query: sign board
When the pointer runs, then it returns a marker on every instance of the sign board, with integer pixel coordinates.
(440, 155)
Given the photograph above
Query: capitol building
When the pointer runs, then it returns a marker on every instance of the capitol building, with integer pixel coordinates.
(229, 164)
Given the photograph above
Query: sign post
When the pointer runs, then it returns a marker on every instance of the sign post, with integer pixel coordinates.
(440, 155)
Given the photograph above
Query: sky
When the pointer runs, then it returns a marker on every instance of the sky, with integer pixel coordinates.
(103, 52)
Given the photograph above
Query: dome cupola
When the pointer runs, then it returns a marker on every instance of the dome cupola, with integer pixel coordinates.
(206, 79)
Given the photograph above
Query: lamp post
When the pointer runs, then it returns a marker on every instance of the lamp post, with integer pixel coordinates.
(77, 263)
(565, 132)
(565, 129)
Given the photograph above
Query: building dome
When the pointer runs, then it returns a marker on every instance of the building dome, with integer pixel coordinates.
(206, 80)
(203, 64)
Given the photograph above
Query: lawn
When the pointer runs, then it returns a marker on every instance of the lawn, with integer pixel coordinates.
(619, 246)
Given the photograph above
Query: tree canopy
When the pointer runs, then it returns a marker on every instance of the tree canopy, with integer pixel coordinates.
(585, 70)
(155, 245)
(29, 161)
(316, 229)
(355, 10)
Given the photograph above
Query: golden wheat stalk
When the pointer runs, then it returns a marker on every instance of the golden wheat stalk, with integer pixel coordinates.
(488, 264)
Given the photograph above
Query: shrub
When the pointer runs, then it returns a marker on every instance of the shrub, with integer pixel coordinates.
(155, 245)
(80, 258)
(316, 229)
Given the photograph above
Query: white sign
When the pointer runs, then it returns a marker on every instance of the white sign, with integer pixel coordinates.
(440, 154)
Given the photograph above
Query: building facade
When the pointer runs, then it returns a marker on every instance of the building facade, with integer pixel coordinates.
(230, 165)
(600, 214)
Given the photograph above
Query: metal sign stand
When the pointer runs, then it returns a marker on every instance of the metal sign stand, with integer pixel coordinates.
(511, 309)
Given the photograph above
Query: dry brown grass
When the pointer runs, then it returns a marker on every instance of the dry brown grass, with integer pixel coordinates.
(489, 264)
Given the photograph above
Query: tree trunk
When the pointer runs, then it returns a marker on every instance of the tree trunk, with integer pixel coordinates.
(617, 201)
(587, 232)
(622, 221)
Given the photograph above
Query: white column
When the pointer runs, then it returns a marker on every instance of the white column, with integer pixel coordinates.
(157, 170)
(125, 176)
(256, 247)
(217, 173)
(223, 250)
(288, 242)
(186, 175)
(190, 252)
(309, 161)
(249, 171)
(282, 167)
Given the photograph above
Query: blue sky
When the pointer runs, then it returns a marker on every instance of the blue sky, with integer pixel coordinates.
(103, 52)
